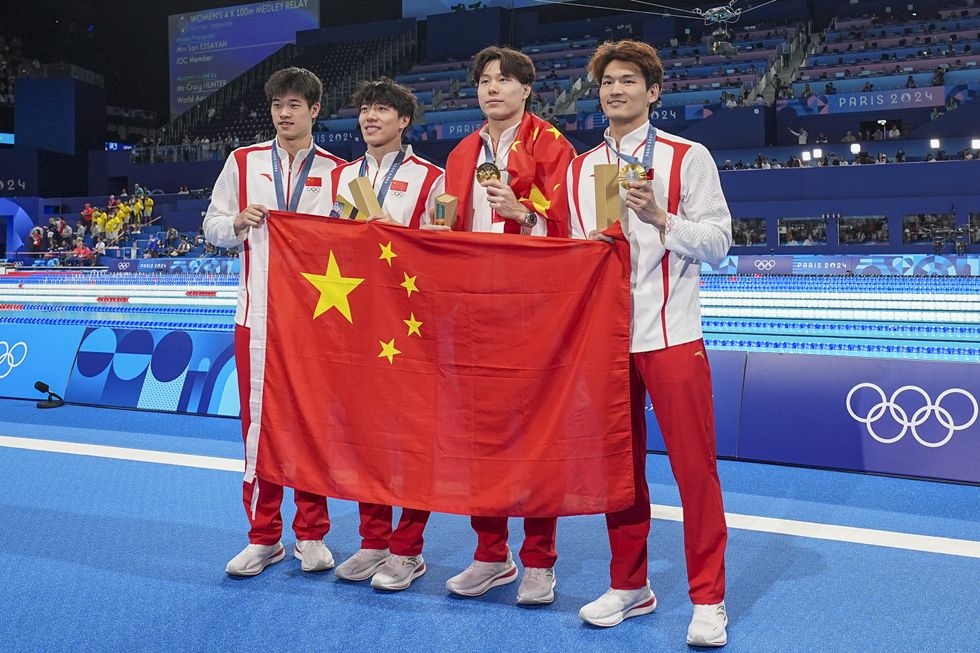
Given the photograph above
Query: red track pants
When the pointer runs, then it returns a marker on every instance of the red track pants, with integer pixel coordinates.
(679, 381)
(376, 533)
(261, 498)
(538, 549)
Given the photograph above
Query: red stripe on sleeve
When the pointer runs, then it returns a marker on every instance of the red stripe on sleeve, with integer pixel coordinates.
(430, 178)
(577, 164)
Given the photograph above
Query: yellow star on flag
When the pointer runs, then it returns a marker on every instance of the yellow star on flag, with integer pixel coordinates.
(413, 325)
(534, 136)
(513, 148)
(334, 289)
(388, 350)
(554, 130)
(386, 253)
(540, 202)
(409, 284)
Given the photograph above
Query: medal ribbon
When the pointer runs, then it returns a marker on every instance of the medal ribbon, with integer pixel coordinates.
(297, 190)
(389, 176)
(647, 161)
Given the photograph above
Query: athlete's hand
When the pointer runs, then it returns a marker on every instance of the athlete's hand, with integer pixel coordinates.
(501, 198)
(597, 234)
(254, 215)
(431, 224)
(384, 219)
(640, 198)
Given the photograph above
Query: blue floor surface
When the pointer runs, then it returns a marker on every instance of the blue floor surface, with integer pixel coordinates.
(106, 555)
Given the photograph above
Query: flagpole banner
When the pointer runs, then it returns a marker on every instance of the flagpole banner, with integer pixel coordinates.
(468, 373)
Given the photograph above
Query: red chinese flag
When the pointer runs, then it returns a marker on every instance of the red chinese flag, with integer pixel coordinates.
(536, 167)
(452, 372)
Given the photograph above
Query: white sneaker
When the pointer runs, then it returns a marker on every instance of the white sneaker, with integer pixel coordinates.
(482, 576)
(398, 572)
(708, 625)
(615, 605)
(254, 558)
(314, 555)
(537, 586)
(361, 565)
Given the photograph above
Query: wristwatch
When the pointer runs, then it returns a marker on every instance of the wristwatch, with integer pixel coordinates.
(530, 220)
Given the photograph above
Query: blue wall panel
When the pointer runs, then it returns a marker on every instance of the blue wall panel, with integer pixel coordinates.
(30, 353)
(915, 418)
(156, 369)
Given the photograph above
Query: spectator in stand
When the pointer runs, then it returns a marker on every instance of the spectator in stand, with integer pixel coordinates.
(152, 247)
(112, 203)
(123, 192)
(148, 208)
(55, 251)
(830, 89)
(182, 247)
(87, 212)
(98, 222)
(894, 133)
(138, 191)
(821, 139)
(99, 251)
(183, 191)
(113, 227)
(800, 135)
(910, 82)
(172, 236)
(80, 255)
(849, 137)
(80, 229)
(806, 92)
(37, 239)
(137, 213)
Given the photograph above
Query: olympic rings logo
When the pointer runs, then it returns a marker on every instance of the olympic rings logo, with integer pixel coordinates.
(11, 356)
(764, 264)
(918, 418)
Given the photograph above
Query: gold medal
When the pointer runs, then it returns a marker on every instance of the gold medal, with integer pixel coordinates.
(486, 172)
(631, 172)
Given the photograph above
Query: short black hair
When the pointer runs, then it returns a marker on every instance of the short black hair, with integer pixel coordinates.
(301, 81)
(513, 63)
(387, 91)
